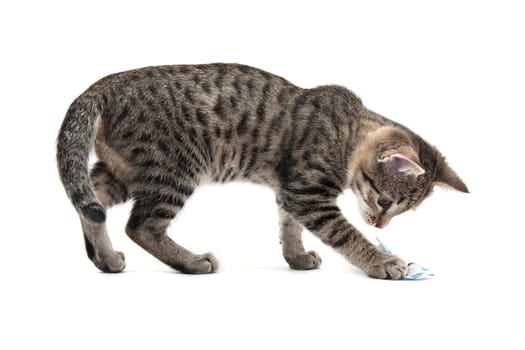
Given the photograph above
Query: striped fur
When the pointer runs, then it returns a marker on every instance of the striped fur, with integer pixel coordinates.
(159, 132)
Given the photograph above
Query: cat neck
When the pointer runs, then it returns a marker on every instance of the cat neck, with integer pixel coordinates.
(370, 126)
(369, 123)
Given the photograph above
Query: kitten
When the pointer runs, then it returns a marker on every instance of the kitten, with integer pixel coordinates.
(159, 132)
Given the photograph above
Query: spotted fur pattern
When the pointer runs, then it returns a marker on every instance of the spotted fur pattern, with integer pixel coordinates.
(159, 132)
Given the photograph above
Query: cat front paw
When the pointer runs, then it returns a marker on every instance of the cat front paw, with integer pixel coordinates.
(391, 267)
(304, 261)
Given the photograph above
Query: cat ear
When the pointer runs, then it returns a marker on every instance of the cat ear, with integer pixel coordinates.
(398, 162)
(448, 177)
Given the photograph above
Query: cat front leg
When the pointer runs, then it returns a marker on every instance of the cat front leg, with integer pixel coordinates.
(325, 220)
(292, 245)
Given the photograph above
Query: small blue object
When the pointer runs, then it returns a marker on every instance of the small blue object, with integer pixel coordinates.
(383, 246)
(417, 272)
(414, 270)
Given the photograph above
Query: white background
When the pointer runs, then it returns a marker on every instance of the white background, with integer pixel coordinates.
(451, 71)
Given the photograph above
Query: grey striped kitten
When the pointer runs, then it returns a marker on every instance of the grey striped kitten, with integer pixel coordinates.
(159, 132)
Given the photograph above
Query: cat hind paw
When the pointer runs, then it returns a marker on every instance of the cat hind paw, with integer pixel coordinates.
(112, 263)
(200, 264)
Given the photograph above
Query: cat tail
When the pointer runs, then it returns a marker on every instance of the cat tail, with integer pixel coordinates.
(74, 144)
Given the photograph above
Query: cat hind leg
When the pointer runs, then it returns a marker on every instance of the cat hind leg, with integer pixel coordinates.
(109, 191)
(147, 226)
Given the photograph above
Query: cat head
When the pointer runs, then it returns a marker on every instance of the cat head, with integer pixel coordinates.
(393, 172)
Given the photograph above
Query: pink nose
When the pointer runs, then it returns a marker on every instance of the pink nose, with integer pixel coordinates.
(382, 221)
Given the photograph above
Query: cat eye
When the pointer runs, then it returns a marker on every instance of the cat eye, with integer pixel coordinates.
(384, 202)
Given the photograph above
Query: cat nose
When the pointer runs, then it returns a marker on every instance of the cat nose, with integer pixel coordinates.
(382, 221)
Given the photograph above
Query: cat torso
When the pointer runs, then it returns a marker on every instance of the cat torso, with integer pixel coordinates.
(226, 122)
